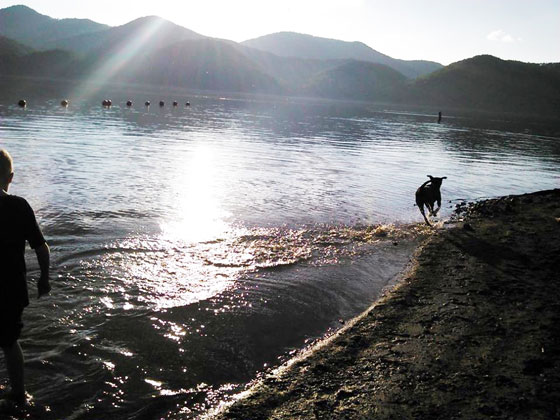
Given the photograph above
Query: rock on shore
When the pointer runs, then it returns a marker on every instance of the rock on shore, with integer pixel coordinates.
(472, 331)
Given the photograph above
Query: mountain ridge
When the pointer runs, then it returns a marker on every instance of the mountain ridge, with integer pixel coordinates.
(153, 51)
(166, 34)
(296, 45)
(95, 36)
(27, 26)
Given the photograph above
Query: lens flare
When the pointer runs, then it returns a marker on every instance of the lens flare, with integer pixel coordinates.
(111, 64)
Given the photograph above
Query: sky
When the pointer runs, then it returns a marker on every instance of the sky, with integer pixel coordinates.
(444, 31)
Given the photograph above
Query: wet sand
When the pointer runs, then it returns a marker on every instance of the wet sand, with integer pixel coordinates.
(471, 331)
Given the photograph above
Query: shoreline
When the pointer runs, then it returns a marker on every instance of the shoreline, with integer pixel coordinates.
(470, 331)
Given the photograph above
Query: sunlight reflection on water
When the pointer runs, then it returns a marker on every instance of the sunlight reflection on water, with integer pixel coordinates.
(193, 247)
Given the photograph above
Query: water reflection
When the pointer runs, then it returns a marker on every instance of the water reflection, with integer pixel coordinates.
(193, 246)
(194, 189)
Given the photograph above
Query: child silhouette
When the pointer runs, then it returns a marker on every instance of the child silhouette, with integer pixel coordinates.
(17, 226)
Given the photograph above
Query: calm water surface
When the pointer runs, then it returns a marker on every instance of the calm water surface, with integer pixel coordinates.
(194, 247)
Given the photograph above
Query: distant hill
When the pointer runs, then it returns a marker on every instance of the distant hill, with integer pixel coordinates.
(9, 47)
(11, 53)
(294, 73)
(204, 64)
(291, 44)
(491, 84)
(38, 31)
(37, 63)
(356, 80)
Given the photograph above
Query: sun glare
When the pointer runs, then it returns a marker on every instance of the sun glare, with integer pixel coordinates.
(195, 193)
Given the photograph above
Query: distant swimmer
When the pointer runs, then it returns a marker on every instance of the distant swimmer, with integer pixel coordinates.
(147, 103)
(128, 103)
(161, 103)
(22, 103)
(439, 117)
(64, 103)
(175, 103)
(187, 104)
(107, 103)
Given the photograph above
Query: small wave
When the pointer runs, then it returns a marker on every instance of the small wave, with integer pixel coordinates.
(271, 248)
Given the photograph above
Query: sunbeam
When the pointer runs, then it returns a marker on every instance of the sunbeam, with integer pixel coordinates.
(114, 61)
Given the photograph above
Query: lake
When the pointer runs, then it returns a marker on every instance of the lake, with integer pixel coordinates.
(194, 248)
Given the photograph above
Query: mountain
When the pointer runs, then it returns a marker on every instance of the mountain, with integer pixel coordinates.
(28, 27)
(154, 51)
(490, 84)
(291, 44)
(148, 33)
(294, 73)
(356, 80)
(334, 78)
(204, 64)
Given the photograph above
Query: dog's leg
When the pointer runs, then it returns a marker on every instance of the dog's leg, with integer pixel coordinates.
(434, 212)
(430, 207)
(421, 207)
(438, 199)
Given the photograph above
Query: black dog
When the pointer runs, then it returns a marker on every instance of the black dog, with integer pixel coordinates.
(427, 194)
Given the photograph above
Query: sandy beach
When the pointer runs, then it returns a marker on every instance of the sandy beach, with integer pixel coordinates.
(471, 331)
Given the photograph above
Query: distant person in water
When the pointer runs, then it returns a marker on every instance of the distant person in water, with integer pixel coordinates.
(17, 226)
(439, 117)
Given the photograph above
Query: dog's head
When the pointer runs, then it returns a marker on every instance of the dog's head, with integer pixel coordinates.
(436, 182)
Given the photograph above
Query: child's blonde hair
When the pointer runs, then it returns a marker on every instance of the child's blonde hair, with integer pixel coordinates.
(6, 165)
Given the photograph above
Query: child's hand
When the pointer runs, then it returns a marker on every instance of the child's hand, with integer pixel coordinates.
(43, 287)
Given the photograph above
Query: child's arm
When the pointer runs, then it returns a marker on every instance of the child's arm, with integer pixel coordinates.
(43, 258)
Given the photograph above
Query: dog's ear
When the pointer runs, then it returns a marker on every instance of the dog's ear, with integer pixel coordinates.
(444, 177)
(429, 176)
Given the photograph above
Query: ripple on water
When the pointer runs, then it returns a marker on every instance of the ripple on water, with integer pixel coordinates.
(192, 248)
